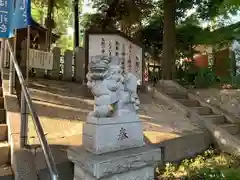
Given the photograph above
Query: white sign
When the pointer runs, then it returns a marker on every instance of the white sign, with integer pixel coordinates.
(115, 45)
(40, 59)
(236, 49)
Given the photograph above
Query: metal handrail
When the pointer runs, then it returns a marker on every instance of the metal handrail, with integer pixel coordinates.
(43, 142)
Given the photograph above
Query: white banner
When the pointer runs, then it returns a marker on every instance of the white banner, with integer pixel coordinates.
(40, 59)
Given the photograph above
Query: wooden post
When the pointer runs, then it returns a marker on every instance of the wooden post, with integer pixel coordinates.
(56, 63)
(79, 66)
(67, 70)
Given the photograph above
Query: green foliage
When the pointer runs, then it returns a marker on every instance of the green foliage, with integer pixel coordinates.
(187, 39)
(235, 81)
(189, 32)
(186, 74)
(144, 20)
(57, 3)
(126, 15)
(89, 20)
(230, 82)
(152, 36)
(205, 77)
(62, 17)
(232, 2)
(207, 174)
(198, 77)
(65, 42)
(211, 165)
(232, 174)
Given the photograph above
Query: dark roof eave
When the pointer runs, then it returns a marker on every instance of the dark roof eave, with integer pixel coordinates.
(38, 26)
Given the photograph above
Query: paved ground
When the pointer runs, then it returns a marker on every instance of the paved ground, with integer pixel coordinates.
(62, 108)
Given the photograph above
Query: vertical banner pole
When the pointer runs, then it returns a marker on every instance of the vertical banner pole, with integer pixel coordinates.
(24, 121)
(2, 53)
(12, 69)
(15, 54)
(28, 47)
(6, 55)
(24, 109)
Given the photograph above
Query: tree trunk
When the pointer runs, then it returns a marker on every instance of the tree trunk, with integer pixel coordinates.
(169, 39)
(42, 17)
(110, 13)
(76, 23)
(49, 24)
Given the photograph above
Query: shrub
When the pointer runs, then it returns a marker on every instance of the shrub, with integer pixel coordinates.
(206, 174)
(230, 82)
(211, 165)
(205, 77)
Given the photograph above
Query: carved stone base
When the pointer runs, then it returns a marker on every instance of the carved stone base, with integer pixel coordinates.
(135, 163)
(102, 135)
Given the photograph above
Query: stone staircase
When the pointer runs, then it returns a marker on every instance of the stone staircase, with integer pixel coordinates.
(224, 130)
(5, 167)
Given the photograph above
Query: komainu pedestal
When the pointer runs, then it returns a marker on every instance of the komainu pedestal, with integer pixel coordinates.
(102, 135)
(113, 144)
(129, 164)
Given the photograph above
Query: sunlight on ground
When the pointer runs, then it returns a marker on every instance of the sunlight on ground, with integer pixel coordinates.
(54, 129)
(62, 109)
(59, 106)
(155, 137)
(145, 117)
(40, 94)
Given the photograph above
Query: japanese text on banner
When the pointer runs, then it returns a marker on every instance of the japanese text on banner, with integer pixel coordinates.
(6, 10)
(22, 14)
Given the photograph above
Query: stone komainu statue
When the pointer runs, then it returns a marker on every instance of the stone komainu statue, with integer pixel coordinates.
(114, 92)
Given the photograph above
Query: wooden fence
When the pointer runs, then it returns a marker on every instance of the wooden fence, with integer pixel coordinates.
(63, 67)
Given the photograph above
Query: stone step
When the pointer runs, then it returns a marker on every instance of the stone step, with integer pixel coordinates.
(168, 88)
(189, 103)
(237, 135)
(231, 128)
(6, 172)
(215, 119)
(177, 95)
(3, 132)
(2, 116)
(1, 103)
(172, 90)
(1, 91)
(203, 110)
(4, 153)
